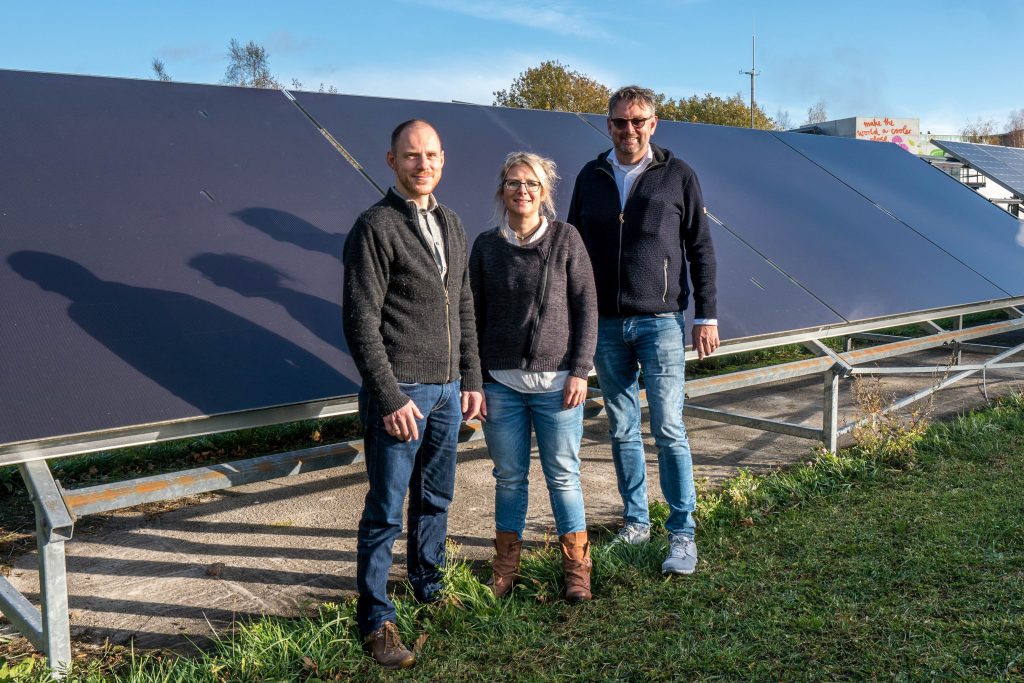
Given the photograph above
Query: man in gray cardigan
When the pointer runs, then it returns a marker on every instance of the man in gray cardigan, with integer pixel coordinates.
(408, 319)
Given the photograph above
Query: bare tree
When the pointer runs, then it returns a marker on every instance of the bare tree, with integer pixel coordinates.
(1015, 129)
(817, 112)
(783, 121)
(249, 66)
(160, 71)
(329, 89)
(981, 131)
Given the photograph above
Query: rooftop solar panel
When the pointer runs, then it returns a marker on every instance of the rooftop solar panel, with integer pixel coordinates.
(167, 251)
(1004, 165)
(850, 254)
(954, 217)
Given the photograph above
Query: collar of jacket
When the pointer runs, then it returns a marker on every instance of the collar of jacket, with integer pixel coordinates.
(661, 156)
(399, 203)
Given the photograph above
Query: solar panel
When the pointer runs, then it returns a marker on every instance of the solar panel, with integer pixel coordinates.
(854, 257)
(954, 217)
(167, 251)
(1004, 165)
(476, 140)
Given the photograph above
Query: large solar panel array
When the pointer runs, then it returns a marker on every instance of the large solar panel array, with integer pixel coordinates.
(170, 251)
(1004, 165)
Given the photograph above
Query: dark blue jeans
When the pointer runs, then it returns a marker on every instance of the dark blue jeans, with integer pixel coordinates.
(426, 469)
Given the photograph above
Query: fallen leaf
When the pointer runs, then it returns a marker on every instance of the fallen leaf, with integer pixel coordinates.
(418, 645)
(215, 569)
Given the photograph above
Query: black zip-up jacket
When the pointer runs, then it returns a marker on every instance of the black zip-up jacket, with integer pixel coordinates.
(638, 251)
(402, 322)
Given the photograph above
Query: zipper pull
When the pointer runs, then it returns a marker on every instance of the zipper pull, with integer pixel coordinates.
(621, 219)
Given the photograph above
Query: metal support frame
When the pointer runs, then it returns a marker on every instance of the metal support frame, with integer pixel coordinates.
(55, 508)
(48, 629)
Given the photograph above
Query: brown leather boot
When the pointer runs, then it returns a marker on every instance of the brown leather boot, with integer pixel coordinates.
(506, 562)
(386, 647)
(576, 566)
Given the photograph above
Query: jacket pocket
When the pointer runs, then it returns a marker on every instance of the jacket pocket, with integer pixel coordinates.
(664, 293)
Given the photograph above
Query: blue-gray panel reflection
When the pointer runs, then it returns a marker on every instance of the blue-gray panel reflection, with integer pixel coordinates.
(852, 255)
(476, 140)
(950, 214)
(167, 251)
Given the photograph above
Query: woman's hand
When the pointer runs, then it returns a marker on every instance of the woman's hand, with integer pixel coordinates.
(575, 392)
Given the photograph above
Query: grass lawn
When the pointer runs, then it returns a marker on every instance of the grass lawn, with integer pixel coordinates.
(869, 564)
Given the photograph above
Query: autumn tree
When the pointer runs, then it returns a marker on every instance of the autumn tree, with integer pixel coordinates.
(817, 112)
(728, 111)
(981, 131)
(554, 86)
(160, 71)
(249, 66)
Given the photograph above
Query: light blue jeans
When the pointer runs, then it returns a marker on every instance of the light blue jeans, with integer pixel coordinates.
(654, 344)
(510, 416)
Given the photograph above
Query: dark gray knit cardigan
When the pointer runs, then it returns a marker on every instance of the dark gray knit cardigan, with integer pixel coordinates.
(402, 323)
(536, 307)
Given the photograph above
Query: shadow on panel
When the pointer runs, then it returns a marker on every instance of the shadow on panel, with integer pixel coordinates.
(185, 345)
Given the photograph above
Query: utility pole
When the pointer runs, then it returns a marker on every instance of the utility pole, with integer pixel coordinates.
(753, 73)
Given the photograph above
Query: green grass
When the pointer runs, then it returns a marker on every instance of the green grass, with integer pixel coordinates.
(864, 565)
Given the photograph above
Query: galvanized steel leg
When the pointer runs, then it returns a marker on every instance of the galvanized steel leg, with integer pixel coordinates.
(848, 344)
(54, 525)
(830, 416)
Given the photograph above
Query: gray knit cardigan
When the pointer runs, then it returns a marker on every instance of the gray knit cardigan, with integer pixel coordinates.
(536, 307)
(402, 323)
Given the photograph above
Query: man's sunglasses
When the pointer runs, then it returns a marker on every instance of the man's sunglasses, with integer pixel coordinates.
(621, 123)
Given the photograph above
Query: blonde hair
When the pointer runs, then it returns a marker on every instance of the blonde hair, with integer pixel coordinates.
(546, 172)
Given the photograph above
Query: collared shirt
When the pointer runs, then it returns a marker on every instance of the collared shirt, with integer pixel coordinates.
(431, 230)
(510, 235)
(625, 175)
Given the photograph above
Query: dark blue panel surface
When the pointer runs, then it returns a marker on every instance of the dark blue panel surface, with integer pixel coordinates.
(1004, 165)
(167, 251)
(852, 255)
(754, 298)
(948, 213)
(476, 140)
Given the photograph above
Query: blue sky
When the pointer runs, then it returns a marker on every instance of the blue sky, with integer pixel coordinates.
(944, 62)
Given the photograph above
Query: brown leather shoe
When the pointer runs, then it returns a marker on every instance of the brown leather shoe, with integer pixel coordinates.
(576, 566)
(386, 647)
(506, 562)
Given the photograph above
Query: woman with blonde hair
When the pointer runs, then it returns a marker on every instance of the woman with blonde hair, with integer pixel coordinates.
(536, 312)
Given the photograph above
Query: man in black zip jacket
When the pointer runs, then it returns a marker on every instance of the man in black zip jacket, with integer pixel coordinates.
(641, 214)
(408, 319)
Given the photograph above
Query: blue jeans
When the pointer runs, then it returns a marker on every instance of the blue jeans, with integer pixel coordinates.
(655, 344)
(426, 469)
(510, 415)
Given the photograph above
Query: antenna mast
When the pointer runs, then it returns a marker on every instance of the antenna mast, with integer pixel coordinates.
(753, 73)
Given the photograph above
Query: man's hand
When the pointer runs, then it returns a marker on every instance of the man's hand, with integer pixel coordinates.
(705, 340)
(473, 405)
(575, 392)
(401, 424)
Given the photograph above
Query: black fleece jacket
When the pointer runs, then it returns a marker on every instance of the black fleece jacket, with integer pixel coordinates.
(638, 251)
(402, 322)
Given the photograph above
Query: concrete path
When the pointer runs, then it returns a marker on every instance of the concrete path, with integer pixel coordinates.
(164, 577)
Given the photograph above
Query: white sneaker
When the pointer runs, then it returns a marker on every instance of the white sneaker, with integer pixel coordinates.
(633, 533)
(682, 555)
